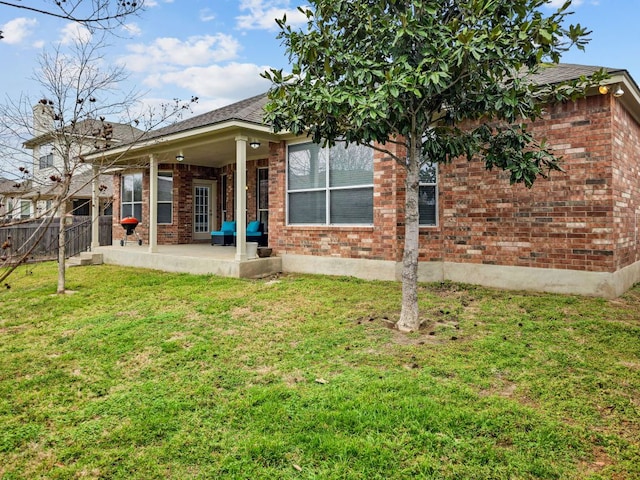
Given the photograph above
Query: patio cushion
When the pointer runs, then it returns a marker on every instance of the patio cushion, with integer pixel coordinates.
(227, 227)
(253, 227)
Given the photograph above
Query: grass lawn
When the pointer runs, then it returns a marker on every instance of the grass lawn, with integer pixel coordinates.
(150, 375)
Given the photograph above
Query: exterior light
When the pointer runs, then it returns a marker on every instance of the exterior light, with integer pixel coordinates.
(603, 89)
(180, 157)
(255, 144)
(618, 92)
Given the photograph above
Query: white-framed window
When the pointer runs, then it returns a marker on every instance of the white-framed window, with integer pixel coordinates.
(262, 196)
(330, 186)
(10, 213)
(165, 197)
(223, 195)
(131, 199)
(45, 159)
(428, 196)
(25, 209)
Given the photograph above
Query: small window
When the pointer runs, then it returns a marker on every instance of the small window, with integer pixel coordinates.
(131, 200)
(25, 209)
(262, 196)
(223, 196)
(428, 198)
(165, 197)
(46, 156)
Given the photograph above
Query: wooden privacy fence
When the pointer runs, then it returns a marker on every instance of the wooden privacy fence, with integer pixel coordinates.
(45, 238)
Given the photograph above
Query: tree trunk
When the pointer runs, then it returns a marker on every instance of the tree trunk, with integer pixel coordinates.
(409, 315)
(62, 211)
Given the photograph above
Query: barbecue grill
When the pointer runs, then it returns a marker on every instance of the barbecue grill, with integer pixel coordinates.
(129, 224)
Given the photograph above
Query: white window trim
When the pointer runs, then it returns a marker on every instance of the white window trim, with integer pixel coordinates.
(45, 160)
(132, 202)
(224, 184)
(258, 191)
(437, 198)
(170, 202)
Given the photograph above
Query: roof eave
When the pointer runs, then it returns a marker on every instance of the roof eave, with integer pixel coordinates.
(163, 142)
(631, 97)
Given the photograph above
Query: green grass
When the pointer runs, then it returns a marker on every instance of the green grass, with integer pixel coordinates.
(149, 375)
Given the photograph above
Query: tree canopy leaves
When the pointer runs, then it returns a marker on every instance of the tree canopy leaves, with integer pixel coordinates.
(372, 71)
(439, 78)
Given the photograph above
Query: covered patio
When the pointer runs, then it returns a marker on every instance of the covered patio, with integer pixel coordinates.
(195, 155)
(199, 259)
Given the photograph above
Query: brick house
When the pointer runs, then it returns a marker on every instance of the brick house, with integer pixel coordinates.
(340, 211)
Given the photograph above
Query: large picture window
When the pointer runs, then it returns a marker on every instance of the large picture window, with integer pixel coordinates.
(330, 186)
(165, 197)
(131, 199)
(428, 200)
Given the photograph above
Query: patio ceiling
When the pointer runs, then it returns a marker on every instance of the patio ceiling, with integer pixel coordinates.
(212, 146)
(211, 150)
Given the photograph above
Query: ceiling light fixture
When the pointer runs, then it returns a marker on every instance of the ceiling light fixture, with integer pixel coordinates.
(180, 157)
(255, 144)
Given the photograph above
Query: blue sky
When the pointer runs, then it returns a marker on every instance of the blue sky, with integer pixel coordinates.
(215, 49)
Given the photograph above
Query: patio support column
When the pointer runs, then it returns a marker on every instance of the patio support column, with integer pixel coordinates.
(153, 204)
(95, 208)
(241, 198)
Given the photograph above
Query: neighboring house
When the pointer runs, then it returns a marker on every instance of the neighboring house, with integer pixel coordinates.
(340, 211)
(13, 205)
(48, 146)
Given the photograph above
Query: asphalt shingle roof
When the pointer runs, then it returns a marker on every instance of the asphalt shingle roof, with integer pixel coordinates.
(251, 109)
(85, 129)
(567, 71)
(248, 110)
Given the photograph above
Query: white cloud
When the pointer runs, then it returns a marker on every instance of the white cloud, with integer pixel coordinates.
(166, 53)
(262, 14)
(74, 32)
(221, 83)
(206, 15)
(17, 30)
(132, 29)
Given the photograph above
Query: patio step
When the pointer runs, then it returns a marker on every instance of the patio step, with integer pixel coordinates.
(85, 258)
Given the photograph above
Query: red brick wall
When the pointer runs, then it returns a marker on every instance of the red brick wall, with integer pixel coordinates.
(117, 232)
(375, 242)
(180, 231)
(626, 185)
(561, 223)
(252, 205)
(566, 222)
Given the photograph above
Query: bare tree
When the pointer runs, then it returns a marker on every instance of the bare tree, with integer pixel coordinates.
(80, 91)
(94, 14)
